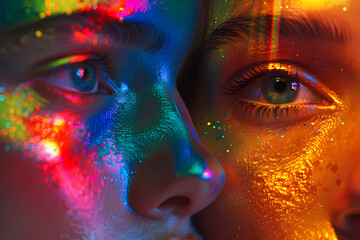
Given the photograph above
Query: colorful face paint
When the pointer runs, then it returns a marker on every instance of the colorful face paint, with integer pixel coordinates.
(282, 83)
(35, 10)
(95, 141)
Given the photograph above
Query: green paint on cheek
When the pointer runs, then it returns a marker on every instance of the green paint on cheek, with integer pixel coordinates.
(15, 108)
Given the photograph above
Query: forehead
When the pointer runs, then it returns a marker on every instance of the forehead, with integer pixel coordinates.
(17, 12)
(223, 10)
(243, 5)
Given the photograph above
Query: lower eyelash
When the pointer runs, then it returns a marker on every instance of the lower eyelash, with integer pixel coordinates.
(259, 111)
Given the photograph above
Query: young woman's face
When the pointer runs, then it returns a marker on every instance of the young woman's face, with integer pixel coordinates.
(95, 142)
(280, 109)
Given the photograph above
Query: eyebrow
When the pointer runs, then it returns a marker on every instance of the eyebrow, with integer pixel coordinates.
(241, 29)
(144, 36)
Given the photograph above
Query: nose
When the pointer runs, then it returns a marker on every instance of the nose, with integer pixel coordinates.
(346, 208)
(180, 178)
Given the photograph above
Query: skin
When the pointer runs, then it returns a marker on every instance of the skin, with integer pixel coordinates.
(295, 176)
(117, 160)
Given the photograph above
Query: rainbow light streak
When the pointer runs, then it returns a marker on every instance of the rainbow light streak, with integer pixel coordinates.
(316, 4)
(252, 26)
(275, 28)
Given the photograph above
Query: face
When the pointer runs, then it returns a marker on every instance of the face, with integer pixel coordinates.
(279, 107)
(95, 141)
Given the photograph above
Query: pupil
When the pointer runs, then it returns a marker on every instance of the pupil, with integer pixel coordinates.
(84, 77)
(80, 72)
(280, 86)
(280, 89)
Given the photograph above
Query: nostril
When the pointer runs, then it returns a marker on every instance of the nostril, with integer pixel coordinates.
(352, 222)
(175, 203)
(347, 223)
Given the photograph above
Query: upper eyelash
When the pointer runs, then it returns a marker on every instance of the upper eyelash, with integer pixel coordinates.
(242, 78)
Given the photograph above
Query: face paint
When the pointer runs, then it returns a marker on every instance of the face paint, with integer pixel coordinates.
(92, 129)
(39, 9)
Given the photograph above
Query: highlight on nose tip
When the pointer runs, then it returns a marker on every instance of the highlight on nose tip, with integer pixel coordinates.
(201, 190)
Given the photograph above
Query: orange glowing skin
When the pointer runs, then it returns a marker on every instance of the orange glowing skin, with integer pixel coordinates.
(292, 177)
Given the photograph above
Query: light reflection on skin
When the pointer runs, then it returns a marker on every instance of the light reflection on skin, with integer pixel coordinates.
(96, 143)
(288, 177)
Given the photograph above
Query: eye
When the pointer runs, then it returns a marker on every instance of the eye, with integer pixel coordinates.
(276, 92)
(78, 74)
(74, 81)
(83, 78)
(80, 77)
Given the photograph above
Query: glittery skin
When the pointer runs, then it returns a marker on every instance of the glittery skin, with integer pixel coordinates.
(120, 160)
(289, 176)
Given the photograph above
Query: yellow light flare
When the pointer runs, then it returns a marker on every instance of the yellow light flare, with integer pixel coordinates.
(51, 148)
(59, 122)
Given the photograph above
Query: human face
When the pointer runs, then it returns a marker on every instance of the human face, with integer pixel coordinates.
(95, 141)
(280, 111)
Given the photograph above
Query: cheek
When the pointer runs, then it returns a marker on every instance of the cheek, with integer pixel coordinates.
(284, 170)
(55, 146)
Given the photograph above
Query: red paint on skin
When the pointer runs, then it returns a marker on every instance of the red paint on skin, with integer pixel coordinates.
(82, 37)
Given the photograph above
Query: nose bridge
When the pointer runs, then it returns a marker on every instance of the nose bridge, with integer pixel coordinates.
(162, 117)
(173, 125)
(190, 157)
(176, 166)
